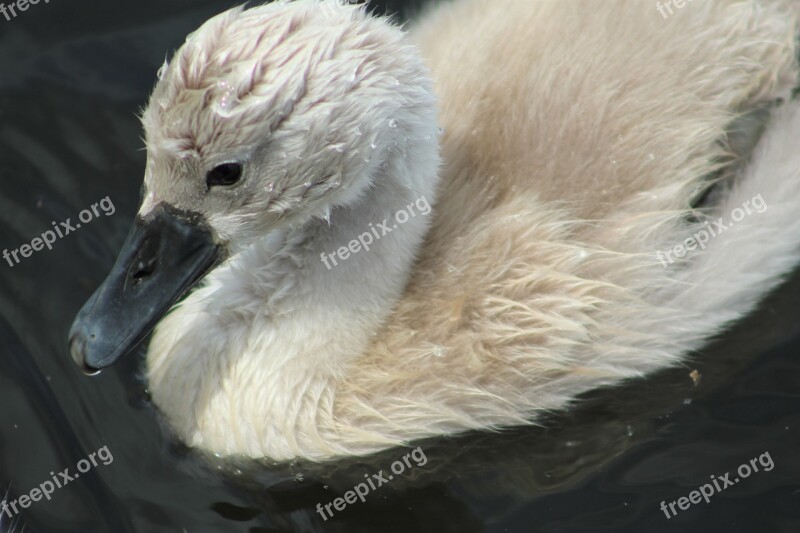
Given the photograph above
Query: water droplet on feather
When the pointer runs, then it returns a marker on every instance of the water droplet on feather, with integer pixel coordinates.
(228, 100)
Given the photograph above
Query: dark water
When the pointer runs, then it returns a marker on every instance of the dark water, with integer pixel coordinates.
(72, 77)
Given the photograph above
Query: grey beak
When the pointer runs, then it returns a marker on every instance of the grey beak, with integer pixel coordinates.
(164, 255)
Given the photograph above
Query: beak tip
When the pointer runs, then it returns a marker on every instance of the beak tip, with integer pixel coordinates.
(78, 348)
(89, 371)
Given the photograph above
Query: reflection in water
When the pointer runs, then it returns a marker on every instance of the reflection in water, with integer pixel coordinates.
(69, 137)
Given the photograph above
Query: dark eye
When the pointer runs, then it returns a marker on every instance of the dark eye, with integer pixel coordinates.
(226, 174)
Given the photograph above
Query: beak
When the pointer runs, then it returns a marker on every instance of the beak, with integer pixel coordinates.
(164, 255)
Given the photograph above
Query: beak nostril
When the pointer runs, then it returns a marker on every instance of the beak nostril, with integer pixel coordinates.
(145, 263)
(143, 270)
(141, 274)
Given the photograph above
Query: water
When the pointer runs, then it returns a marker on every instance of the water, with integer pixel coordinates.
(74, 75)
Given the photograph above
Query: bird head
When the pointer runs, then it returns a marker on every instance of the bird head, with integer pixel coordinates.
(264, 118)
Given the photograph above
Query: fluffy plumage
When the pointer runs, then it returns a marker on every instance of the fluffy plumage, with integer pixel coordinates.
(576, 141)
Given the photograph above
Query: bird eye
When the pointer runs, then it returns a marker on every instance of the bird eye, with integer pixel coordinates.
(225, 174)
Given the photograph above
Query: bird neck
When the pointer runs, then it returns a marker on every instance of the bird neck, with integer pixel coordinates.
(325, 287)
(292, 312)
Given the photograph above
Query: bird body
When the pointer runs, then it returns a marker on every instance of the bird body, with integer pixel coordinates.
(578, 141)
